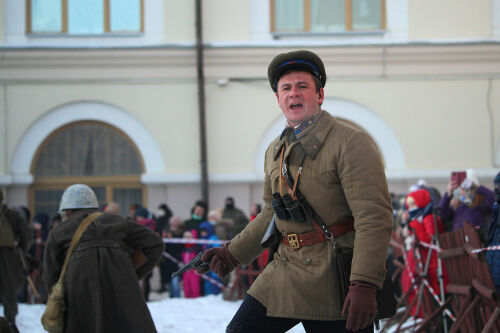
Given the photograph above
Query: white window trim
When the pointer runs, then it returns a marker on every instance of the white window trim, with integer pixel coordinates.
(396, 24)
(15, 30)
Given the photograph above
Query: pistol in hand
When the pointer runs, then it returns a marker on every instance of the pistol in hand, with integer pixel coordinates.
(195, 263)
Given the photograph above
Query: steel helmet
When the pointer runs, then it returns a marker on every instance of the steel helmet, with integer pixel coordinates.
(78, 196)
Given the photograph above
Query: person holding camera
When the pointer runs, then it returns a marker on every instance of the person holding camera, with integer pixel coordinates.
(474, 202)
(325, 192)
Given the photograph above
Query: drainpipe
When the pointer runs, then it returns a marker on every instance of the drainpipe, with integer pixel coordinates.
(492, 124)
(201, 103)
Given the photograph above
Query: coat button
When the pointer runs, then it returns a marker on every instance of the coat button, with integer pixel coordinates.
(309, 261)
(283, 259)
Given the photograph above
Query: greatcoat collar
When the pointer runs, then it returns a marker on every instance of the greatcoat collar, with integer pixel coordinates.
(311, 138)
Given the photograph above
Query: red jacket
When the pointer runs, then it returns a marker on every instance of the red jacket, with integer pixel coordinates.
(424, 229)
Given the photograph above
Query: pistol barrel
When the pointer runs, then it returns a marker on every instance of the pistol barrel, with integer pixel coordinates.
(195, 263)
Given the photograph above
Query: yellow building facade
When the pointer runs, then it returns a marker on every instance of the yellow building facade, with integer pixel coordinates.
(421, 77)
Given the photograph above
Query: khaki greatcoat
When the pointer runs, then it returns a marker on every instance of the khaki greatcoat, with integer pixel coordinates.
(342, 176)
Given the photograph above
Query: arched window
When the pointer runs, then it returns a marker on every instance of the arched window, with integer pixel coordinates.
(91, 153)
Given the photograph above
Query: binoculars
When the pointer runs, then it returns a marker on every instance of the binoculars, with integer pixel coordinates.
(288, 209)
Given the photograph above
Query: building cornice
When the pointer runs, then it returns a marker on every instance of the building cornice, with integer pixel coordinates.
(177, 64)
(257, 177)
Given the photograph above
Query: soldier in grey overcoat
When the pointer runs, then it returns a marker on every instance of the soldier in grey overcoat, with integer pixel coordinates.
(340, 172)
(11, 268)
(101, 286)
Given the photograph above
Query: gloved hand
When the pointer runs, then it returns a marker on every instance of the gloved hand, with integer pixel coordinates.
(360, 305)
(221, 261)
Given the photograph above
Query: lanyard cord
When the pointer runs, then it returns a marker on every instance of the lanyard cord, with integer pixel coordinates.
(281, 170)
(284, 174)
(314, 219)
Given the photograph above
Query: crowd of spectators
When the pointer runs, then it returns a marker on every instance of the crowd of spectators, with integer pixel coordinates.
(419, 215)
(424, 212)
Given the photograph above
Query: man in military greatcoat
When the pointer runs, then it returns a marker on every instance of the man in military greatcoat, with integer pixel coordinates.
(101, 286)
(340, 173)
(15, 237)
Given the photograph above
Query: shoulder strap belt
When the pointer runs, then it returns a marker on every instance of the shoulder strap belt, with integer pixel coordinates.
(296, 241)
(76, 238)
(314, 219)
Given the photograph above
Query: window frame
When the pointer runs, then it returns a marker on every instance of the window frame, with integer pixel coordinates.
(348, 21)
(48, 139)
(64, 21)
(109, 182)
(62, 184)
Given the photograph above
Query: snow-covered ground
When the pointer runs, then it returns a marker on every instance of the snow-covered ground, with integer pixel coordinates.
(180, 315)
(209, 314)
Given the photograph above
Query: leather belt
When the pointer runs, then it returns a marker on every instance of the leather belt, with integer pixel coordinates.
(99, 243)
(296, 241)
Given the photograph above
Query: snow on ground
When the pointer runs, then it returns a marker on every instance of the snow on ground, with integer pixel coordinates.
(209, 314)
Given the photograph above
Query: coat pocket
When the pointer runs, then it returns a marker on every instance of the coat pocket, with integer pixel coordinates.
(329, 176)
(274, 176)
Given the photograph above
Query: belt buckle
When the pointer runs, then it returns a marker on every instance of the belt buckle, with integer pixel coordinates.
(293, 241)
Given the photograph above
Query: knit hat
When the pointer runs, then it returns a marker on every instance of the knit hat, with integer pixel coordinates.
(421, 197)
(470, 180)
(142, 212)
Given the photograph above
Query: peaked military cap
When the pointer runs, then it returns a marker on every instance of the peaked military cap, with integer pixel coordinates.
(301, 60)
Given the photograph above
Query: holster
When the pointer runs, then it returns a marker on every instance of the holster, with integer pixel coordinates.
(343, 260)
(386, 302)
(272, 238)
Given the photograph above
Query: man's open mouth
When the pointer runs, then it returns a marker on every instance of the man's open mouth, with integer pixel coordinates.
(295, 106)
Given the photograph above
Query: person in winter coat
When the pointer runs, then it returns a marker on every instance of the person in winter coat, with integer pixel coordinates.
(198, 215)
(474, 206)
(40, 234)
(422, 225)
(235, 214)
(340, 172)
(222, 227)
(190, 280)
(493, 257)
(55, 221)
(100, 286)
(261, 261)
(255, 210)
(15, 237)
(175, 251)
(162, 219)
(207, 231)
(142, 216)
